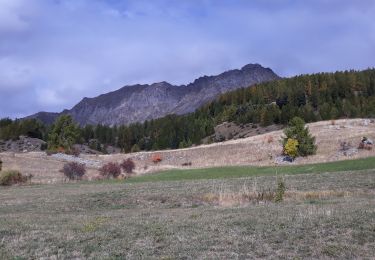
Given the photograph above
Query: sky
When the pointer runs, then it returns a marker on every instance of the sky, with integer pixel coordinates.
(55, 52)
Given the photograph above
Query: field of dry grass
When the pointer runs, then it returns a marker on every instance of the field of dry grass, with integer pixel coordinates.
(328, 211)
(323, 216)
(256, 150)
(259, 151)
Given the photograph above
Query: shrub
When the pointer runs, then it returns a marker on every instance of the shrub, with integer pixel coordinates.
(128, 166)
(280, 191)
(365, 146)
(156, 158)
(73, 170)
(110, 169)
(296, 130)
(291, 147)
(8, 178)
(187, 164)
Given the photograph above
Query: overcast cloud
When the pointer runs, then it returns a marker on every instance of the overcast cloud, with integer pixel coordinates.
(55, 52)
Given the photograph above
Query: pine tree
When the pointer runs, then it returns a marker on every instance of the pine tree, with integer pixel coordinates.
(297, 130)
(64, 133)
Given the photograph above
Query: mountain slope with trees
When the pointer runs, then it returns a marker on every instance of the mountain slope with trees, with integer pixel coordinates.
(316, 97)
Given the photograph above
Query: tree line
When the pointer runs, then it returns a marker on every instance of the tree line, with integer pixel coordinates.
(315, 97)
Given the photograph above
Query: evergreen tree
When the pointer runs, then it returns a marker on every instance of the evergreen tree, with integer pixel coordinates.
(297, 130)
(64, 133)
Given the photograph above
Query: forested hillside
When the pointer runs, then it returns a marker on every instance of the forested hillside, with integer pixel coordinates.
(314, 97)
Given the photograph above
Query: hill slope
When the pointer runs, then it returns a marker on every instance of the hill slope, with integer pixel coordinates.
(255, 151)
(138, 103)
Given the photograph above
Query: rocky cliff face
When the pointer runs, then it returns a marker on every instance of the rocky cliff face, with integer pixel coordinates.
(138, 103)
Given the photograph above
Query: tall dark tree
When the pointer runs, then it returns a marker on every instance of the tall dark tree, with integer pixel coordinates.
(64, 133)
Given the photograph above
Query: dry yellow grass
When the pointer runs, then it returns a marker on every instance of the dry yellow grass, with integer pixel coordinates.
(318, 194)
(258, 150)
(246, 196)
(166, 220)
(45, 169)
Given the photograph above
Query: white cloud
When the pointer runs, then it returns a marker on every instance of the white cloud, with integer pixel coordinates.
(54, 52)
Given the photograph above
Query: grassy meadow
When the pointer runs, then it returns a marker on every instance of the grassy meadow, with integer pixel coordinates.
(328, 212)
(248, 171)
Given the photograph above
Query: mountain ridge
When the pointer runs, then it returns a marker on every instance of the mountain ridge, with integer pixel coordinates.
(141, 102)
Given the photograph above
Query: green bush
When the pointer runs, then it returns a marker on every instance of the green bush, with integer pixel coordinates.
(8, 178)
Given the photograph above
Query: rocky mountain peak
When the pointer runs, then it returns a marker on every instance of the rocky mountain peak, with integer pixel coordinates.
(252, 66)
(137, 103)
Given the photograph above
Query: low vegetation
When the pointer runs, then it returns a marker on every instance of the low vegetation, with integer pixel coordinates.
(8, 178)
(247, 171)
(74, 170)
(156, 158)
(280, 191)
(110, 170)
(247, 195)
(290, 147)
(128, 166)
(322, 216)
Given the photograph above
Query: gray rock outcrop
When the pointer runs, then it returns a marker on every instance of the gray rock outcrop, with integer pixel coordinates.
(138, 103)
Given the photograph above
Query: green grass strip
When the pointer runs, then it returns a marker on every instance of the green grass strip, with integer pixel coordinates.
(245, 171)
